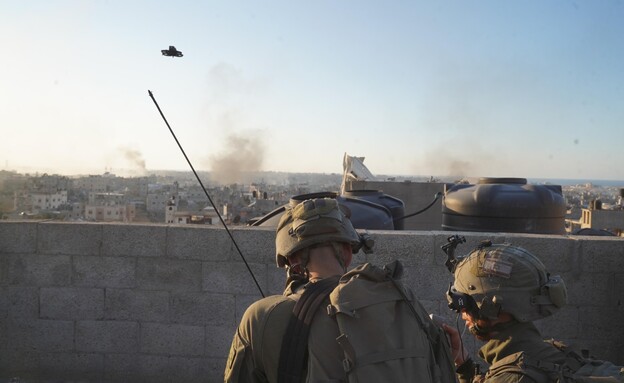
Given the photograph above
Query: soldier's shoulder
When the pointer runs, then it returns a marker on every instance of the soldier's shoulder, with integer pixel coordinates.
(269, 306)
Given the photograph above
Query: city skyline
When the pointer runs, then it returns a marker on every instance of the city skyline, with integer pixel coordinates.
(489, 89)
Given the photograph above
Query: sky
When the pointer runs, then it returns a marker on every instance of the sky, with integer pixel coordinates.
(531, 89)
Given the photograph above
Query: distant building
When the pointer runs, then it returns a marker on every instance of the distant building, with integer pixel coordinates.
(600, 217)
(205, 216)
(123, 213)
(109, 207)
(96, 183)
(48, 201)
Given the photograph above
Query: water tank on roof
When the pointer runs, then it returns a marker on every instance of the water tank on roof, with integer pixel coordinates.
(395, 205)
(504, 205)
(364, 207)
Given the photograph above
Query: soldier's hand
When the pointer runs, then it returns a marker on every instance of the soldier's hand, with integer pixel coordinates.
(459, 352)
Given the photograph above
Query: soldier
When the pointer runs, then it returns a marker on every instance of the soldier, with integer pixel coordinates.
(279, 341)
(499, 291)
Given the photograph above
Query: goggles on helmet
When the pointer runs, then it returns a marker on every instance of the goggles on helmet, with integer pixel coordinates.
(461, 302)
(488, 308)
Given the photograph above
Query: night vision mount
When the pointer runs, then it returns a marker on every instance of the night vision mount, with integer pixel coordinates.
(449, 250)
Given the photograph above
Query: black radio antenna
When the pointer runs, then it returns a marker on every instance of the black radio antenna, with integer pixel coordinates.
(207, 195)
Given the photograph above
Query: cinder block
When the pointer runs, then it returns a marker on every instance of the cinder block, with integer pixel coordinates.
(123, 368)
(202, 308)
(277, 280)
(600, 324)
(18, 237)
(22, 303)
(4, 340)
(602, 254)
(169, 274)
(4, 270)
(90, 271)
(69, 238)
(172, 339)
(198, 242)
(602, 349)
(257, 244)
(159, 369)
(137, 305)
(107, 336)
(71, 303)
(121, 240)
(410, 247)
(218, 340)
(616, 295)
(39, 270)
(21, 363)
(563, 324)
(473, 239)
(71, 367)
(41, 335)
(429, 283)
(233, 278)
(559, 254)
(589, 289)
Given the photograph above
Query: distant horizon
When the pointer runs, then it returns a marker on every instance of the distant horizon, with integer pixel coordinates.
(380, 177)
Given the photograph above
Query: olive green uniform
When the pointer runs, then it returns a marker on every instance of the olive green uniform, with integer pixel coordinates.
(255, 351)
(497, 352)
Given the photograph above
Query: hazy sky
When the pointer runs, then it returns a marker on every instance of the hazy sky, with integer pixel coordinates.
(472, 88)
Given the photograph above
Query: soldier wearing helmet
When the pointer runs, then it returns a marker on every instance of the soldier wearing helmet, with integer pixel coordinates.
(315, 242)
(500, 290)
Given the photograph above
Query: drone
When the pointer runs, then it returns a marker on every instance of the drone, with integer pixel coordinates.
(171, 52)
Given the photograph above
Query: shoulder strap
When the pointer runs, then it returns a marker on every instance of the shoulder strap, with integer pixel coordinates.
(294, 350)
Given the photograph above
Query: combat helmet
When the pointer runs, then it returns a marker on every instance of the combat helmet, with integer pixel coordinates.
(503, 277)
(312, 222)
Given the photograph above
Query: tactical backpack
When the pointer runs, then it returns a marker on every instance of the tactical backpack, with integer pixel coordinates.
(386, 334)
(575, 369)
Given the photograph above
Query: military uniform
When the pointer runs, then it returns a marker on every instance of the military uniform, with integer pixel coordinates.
(502, 353)
(255, 351)
(324, 343)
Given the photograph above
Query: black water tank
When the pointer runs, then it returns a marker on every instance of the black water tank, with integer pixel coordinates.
(504, 205)
(395, 205)
(364, 214)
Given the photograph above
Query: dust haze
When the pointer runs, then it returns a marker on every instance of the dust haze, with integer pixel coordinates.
(242, 155)
(230, 113)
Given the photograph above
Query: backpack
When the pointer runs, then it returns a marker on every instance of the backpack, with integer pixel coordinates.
(575, 369)
(386, 334)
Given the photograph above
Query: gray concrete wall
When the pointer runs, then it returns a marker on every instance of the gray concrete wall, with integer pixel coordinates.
(158, 303)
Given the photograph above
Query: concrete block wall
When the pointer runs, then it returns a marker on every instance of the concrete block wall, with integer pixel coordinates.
(90, 302)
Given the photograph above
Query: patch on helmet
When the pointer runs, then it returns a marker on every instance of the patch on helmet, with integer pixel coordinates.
(493, 265)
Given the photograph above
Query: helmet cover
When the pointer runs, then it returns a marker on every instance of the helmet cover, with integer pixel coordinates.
(312, 222)
(508, 278)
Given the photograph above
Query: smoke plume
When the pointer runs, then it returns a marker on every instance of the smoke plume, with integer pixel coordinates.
(134, 158)
(243, 155)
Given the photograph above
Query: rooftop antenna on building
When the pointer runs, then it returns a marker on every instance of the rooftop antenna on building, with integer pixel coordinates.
(207, 195)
